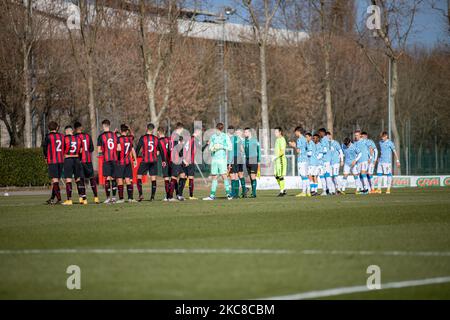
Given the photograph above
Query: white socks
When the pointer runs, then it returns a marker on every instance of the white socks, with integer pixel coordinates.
(330, 185)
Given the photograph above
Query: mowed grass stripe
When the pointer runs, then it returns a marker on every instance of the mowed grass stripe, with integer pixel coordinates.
(240, 249)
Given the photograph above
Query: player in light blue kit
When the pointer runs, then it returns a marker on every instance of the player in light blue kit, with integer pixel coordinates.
(363, 161)
(337, 160)
(302, 160)
(384, 169)
(309, 148)
(325, 177)
(219, 145)
(351, 157)
(373, 157)
(315, 155)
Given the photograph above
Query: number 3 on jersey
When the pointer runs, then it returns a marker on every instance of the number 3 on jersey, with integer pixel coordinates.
(73, 147)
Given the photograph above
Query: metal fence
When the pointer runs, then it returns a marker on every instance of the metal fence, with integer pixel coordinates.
(423, 161)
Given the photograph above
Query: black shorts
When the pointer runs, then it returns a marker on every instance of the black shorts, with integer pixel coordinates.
(166, 171)
(55, 170)
(124, 171)
(87, 170)
(189, 170)
(72, 168)
(252, 168)
(176, 169)
(150, 167)
(109, 168)
(235, 168)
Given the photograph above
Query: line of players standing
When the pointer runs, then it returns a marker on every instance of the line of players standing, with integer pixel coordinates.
(71, 154)
(320, 157)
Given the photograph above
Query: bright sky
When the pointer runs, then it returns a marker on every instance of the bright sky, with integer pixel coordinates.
(430, 24)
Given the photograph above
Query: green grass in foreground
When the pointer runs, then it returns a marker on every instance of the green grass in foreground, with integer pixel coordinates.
(407, 220)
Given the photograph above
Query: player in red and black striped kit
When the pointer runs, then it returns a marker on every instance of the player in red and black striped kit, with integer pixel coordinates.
(179, 139)
(164, 152)
(189, 169)
(53, 148)
(127, 159)
(148, 143)
(72, 165)
(108, 148)
(87, 169)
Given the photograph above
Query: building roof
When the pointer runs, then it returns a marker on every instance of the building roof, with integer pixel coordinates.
(213, 28)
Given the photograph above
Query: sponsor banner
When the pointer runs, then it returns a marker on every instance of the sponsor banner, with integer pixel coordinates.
(424, 182)
(446, 182)
(400, 181)
(293, 182)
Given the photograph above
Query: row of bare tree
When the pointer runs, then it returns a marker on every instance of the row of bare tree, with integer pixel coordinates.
(130, 62)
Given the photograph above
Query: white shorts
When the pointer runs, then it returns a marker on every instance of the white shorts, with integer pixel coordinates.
(302, 169)
(348, 168)
(335, 169)
(384, 168)
(363, 166)
(314, 170)
(327, 168)
(371, 169)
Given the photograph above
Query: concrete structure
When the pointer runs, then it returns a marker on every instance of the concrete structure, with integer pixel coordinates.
(212, 27)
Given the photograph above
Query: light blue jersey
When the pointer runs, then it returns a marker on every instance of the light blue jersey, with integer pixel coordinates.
(325, 143)
(316, 151)
(362, 145)
(309, 147)
(386, 148)
(302, 146)
(351, 153)
(372, 145)
(335, 149)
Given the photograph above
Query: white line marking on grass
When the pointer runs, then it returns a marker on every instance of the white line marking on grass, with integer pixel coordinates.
(148, 251)
(377, 253)
(355, 289)
(227, 251)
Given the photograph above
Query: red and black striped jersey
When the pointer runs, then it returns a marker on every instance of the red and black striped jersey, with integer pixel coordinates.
(108, 143)
(164, 148)
(72, 145)
(53, 148)
(126, 145)
(149, 145)
(177, 150)
(191, 149)
(87, 147)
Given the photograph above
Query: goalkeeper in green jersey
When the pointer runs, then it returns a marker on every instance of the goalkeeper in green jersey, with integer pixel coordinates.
(219, 145)
(280, 161)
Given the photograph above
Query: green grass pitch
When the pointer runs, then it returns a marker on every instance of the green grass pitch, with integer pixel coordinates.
(339, 230)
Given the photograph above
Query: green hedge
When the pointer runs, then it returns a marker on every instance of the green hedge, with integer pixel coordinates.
(22, 167)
